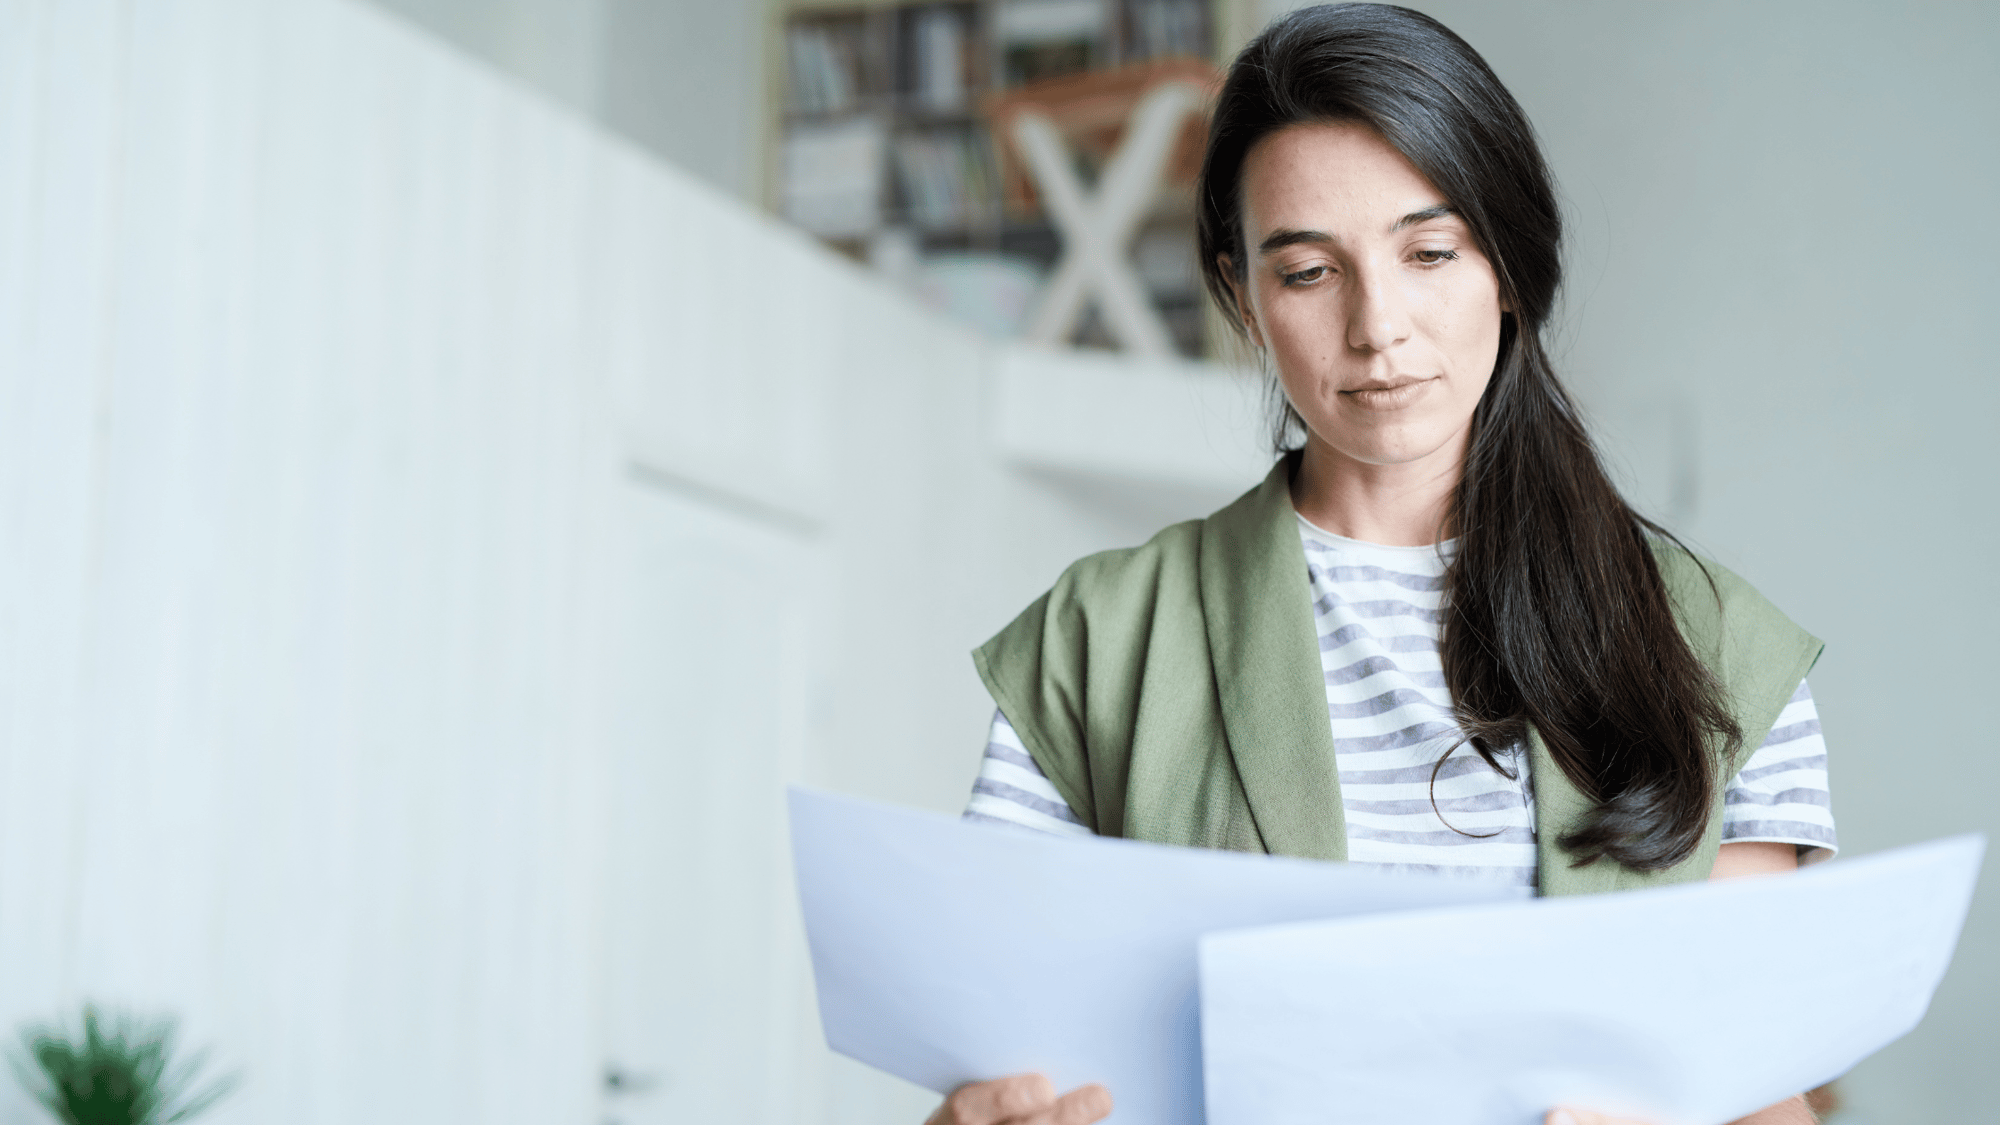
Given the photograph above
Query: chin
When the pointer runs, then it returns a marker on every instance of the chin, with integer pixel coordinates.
(1400, 446)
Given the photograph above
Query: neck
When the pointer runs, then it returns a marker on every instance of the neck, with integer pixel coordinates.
(1400, 505)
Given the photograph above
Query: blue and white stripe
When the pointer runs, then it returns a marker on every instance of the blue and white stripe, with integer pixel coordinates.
(1011, 788)
(1416, 797)
(1781, 794)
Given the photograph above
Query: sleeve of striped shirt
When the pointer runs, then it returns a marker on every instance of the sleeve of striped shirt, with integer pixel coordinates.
(1012, 790)
(1781, 794)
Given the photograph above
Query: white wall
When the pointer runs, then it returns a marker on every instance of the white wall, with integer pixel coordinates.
(432, 530)
(687, 80)
(556, 46)
(684, 79)
(1783, 265)
(296, 560)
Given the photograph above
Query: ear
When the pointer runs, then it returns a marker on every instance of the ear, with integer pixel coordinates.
(1245, 315)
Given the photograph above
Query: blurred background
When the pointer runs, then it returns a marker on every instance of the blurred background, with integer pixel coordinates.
(460, 458)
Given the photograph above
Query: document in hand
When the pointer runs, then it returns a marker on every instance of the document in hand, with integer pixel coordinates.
(946, 952)
(1689, 1005)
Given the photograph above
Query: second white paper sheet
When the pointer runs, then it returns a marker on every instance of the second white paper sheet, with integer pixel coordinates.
(947, 952)
(1682, 1006)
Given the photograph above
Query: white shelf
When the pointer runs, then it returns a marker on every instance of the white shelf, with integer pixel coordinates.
(1184, 425)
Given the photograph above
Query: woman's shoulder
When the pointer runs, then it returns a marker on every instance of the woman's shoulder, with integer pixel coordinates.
(1735, 629)
(1704, 592)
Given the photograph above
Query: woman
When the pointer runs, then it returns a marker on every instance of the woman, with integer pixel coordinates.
(1488, 664)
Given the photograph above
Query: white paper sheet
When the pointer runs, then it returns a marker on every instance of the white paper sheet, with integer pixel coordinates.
(947, 952)
(1682, 1006)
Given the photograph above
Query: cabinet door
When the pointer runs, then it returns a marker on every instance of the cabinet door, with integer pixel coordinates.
(704, 973)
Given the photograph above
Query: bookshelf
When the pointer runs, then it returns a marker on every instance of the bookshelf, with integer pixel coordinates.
(883, 143)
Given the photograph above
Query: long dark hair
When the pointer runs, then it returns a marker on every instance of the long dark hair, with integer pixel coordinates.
(1556, 613)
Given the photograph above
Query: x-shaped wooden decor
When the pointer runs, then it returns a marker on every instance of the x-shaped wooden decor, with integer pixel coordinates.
(1097, 230)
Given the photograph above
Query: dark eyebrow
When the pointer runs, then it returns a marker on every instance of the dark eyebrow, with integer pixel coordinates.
(1280, 239)
(1423, 216)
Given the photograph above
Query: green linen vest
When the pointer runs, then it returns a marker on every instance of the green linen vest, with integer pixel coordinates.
(1172, 692)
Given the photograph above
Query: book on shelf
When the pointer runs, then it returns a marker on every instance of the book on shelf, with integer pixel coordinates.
(824, 74)
(1044, 38)
(1160, 28)
(944, 176)
(833, 176)
(940, 44)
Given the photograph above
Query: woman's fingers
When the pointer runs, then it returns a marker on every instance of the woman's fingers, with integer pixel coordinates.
(1022, 1099)
(1017, 1097)
(1080, 1106)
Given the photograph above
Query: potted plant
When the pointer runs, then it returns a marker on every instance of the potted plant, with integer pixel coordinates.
(119, 1071)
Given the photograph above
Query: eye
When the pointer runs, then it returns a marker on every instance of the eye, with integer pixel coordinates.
(1303, 277)
(1436, 257)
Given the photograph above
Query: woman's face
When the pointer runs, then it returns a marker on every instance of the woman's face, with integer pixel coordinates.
(1377, 306)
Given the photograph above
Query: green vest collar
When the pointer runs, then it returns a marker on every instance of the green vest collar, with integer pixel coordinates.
(1256, 606)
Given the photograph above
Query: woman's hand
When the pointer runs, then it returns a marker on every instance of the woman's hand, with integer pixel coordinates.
(1791, 1111)
(1022, 1099)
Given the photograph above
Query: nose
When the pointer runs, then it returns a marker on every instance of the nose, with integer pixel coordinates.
(1378, 315)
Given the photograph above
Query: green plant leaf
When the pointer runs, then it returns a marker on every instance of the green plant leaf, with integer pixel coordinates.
(118, 1072)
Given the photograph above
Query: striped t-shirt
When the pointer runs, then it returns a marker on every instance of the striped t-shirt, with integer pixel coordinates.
(1378, 614)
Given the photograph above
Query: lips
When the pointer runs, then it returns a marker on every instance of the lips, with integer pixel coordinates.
(1391, 394)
